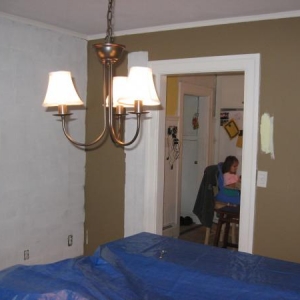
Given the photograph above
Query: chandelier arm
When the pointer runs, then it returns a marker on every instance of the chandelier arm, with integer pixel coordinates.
(109, 78)
(85, 145)
(63, 112)
(122, 143)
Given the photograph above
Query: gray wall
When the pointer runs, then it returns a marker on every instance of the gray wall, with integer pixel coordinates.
(41, 174)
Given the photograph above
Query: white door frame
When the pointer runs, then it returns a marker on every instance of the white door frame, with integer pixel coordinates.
(151, 152)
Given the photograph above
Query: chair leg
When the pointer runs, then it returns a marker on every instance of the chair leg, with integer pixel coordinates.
(233, 233)
(230, 218)
(218, 232)
(227, 227)
(207, 234)
(222, 233)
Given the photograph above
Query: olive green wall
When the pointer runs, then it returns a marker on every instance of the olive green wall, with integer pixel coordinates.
(277, 206)
(105, 169)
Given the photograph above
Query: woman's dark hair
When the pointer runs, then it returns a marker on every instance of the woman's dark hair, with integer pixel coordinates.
(229, 161)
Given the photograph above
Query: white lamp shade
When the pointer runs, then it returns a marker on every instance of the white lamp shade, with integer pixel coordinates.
(140, 87)
(120, 90)
(61, 90)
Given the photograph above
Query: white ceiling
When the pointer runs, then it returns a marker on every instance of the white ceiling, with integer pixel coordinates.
(88, 17)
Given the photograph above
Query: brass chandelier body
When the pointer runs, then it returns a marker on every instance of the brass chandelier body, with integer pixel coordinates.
(109, 53)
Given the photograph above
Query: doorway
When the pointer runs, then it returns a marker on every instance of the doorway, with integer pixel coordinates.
(203, 104)
(148, 155)
(193, 140)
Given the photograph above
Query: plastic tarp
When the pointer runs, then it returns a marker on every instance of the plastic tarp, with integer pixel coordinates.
(148, 266)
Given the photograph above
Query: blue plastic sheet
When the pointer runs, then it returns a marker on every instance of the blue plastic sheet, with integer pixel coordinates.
(148, 266)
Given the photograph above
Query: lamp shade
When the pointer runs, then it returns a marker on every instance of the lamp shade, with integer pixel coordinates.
(120, 90)
(140, 87)
(61, 90)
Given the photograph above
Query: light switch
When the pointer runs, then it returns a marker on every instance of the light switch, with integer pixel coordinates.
(262, 178)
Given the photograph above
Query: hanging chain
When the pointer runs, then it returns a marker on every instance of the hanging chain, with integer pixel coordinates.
(109, 38)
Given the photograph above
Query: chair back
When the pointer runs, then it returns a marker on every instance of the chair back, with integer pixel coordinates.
(226, 195)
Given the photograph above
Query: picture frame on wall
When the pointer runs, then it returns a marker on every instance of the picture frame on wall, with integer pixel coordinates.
(231, 128)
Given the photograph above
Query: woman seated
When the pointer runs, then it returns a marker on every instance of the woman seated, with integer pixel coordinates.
(229, 169)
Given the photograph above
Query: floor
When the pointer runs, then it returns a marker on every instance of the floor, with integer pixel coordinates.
(196, 233)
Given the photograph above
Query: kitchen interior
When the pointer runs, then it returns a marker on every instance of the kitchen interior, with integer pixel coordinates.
(198, 107)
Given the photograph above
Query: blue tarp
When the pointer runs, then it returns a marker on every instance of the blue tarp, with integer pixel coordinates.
(148, 266)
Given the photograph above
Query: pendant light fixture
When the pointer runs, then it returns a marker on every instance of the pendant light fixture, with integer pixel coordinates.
(136, 91)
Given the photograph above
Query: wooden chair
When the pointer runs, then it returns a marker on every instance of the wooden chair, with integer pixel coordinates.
(224, 197)
(212, 195)
(228, 216)
(217, 205)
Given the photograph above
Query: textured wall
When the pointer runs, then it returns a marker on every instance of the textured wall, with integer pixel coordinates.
(41, 174)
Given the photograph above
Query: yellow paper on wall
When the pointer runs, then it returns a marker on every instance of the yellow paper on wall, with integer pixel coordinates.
(239, 141)
(231, 128)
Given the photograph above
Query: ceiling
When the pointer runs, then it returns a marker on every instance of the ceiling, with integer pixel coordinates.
(88, 17)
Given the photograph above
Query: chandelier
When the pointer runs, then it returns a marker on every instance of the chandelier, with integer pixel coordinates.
(120, 93)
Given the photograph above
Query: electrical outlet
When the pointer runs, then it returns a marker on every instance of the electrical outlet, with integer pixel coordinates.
(70, 240)
(26, 254)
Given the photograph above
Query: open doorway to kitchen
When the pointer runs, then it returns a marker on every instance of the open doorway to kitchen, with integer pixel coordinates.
(196, 108)
(148, 156)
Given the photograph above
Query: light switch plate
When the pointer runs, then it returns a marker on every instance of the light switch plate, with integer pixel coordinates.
(262, 178)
